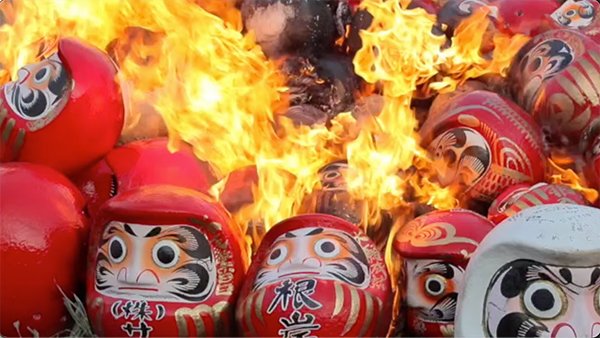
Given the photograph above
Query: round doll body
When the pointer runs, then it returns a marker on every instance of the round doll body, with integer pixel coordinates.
(42, 241)
(315, 275)
(483, 144)
(535, 274)
(142, 163)
(163, 261)
(64, 112)
(555, 77)
(523, 196)
(435, 249)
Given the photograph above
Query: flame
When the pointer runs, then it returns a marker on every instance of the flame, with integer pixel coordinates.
(570, 178)
(187, 63)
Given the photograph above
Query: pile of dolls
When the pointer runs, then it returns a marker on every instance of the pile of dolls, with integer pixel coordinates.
(132, 231)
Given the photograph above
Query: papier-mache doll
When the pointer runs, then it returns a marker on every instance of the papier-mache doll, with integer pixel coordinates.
(163, 261)
(315, 275)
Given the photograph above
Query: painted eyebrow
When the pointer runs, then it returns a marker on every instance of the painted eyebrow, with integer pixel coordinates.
(315, 232)
(154, 232)
(129, 230)
(433, 267)
(548, 275)
(174, 233)
(289, 235)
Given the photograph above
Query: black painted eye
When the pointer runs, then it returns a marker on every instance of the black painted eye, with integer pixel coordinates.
(327, 248)
(435, 285)
(277, 255)
(117, 250)
(544, 300)
(42, 75)
(570, 13)
(165, 254)
(535, 64)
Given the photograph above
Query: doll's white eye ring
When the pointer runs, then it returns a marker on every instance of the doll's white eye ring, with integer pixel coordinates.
(47, 72)
(165, 254)
(117, 250)
(327, 248)
(544, 300)
(435, 285)
(277, 255)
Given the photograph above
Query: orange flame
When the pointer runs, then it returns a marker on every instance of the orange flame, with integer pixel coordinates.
(570, 178)
(215, 89)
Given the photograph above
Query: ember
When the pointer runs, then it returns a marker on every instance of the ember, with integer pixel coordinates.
(299, 167)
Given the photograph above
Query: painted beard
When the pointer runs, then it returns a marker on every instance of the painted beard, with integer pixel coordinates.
(318, 253)
(531, 299)
(164, 263)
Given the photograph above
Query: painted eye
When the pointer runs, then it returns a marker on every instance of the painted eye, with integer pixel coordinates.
(277, 255)
(165, 254)
(117, 249)
(435, 285)
(535, 65)
(42, 75)
(570, 13)
(327, 248)
(543, 300)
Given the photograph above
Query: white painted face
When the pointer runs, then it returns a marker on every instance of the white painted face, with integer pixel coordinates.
(532, 299)
(537, 274)
(41, 91)
(171, 263)
(461, 156)
(543, 62)
(575, 14)
(432, 289)
(315, 252)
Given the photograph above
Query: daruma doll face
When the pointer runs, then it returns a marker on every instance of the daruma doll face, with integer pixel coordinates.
(316, 275)
(164, 261)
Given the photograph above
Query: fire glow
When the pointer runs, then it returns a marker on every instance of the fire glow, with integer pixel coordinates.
(215, 89)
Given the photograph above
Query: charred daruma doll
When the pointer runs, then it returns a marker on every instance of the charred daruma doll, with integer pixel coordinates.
(64, 112)
(537, 274)
(315, 275)
(483, 144)
(142, 163)
(556, 77)
(435, 249)
(523, 196)
(43, 232)
(163, 261)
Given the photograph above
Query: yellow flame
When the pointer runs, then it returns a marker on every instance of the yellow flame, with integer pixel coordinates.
(188, 61)
(570, 178)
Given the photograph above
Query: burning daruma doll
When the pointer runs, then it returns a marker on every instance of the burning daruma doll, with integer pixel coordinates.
(436, 248)
(483, 144)
(315, 275)
(164, 261)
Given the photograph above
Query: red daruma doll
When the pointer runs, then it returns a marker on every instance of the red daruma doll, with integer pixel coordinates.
(315, 275)
(163, 261)
(435, 249)
(64, 112)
